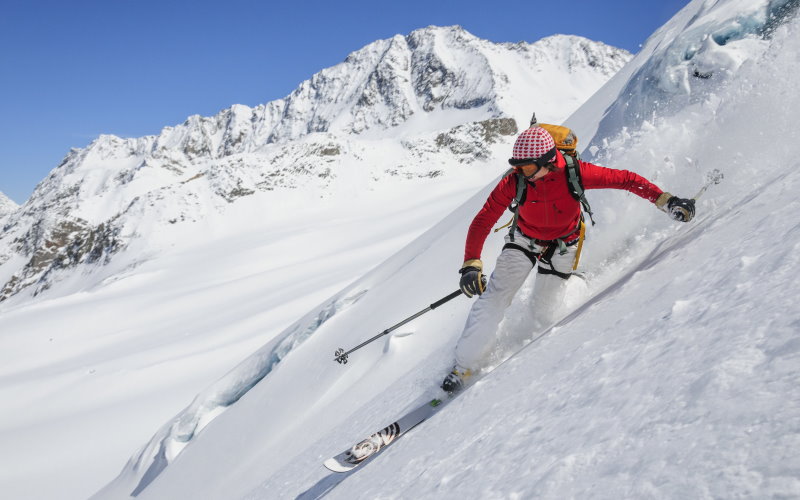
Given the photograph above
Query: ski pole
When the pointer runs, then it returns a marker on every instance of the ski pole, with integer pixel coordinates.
(341, 355)
(714, 177)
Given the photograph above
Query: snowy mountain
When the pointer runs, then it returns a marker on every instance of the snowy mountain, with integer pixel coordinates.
(7, 205)
(410, 107)
(673, 372)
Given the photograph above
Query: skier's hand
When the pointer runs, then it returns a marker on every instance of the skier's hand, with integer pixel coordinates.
(680, 209)
(473, 282)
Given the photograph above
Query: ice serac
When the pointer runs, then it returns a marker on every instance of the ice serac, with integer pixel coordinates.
(409, 108)
(682, 64)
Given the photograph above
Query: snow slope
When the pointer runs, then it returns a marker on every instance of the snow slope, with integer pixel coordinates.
(674, 373)
(142, 270)
(87, 378)
(679, 378)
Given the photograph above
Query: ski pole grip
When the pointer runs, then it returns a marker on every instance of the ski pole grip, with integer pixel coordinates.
(446, 299)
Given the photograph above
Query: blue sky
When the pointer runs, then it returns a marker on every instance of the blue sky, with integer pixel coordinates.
(71, 70)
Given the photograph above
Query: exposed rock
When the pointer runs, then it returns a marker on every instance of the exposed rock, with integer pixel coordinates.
(65, 245)
(469, 142)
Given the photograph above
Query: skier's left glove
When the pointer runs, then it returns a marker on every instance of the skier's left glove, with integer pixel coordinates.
(473, 282)
(680, 209)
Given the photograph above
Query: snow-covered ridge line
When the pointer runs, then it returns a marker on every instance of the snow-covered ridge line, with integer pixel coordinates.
(380, 86)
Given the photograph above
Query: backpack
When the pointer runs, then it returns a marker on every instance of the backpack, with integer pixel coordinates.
(566, 142)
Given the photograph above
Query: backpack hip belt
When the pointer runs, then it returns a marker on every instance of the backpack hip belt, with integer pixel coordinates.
(548, 246)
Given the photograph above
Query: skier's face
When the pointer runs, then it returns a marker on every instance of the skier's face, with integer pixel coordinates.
(533, 171)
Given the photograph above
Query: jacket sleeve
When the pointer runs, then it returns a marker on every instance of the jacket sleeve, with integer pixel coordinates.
(597, 177)
(499, 199)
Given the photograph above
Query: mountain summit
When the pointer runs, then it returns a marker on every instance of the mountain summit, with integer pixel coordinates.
(7, 205)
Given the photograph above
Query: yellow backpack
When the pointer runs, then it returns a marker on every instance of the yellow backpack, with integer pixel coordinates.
(566, 140)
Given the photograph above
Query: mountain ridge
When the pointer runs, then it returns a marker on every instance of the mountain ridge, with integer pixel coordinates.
(437, 98)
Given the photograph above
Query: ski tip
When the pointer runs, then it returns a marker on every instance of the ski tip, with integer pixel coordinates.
(334, 465)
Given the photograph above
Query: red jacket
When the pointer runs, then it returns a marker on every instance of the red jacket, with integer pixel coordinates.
(550, 211)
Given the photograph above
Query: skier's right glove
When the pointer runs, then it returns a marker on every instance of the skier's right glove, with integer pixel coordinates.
(680, 209)
(473, 282)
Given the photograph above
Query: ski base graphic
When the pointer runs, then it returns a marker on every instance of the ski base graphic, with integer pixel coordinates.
(369, 447)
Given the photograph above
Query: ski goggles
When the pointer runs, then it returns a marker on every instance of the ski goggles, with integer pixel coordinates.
(539, 162)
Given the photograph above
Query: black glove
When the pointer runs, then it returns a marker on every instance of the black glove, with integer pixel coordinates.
(473, 282)
(680, 209)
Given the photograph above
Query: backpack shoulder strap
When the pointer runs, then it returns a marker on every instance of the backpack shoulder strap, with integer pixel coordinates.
(575, 183)
(519, 199)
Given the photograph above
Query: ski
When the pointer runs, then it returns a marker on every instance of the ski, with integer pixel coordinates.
(371, 446)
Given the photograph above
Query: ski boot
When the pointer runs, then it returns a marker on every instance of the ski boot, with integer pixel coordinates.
(454, 381)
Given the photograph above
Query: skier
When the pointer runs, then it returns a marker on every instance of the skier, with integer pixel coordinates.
(546, 233)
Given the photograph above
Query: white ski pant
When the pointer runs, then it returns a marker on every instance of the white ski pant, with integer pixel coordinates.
(479, 338)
